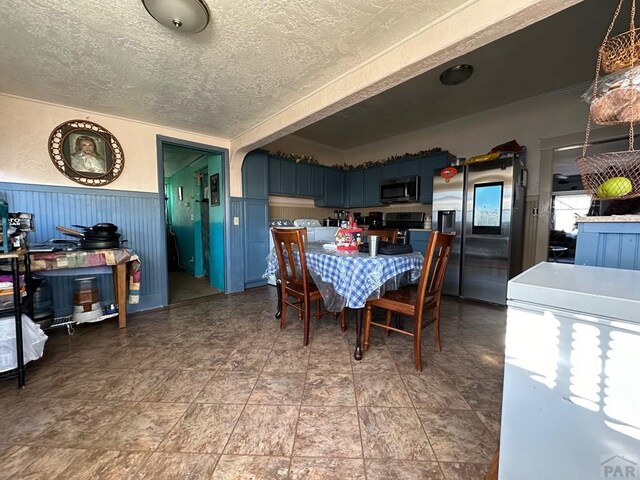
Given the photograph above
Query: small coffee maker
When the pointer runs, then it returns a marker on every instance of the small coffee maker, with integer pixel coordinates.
(375, 220)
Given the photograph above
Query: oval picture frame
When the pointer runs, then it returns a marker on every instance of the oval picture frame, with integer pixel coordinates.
(86, 153)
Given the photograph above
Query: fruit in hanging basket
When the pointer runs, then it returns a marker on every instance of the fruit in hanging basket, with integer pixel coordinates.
(614, 187)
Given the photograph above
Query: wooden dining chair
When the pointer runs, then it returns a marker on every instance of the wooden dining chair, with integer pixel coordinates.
(295, 281)
(415, 302)
(385, 235)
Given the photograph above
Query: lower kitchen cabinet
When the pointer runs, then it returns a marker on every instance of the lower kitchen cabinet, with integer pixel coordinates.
(419, 239)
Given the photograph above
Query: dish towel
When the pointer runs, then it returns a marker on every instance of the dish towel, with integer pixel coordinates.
(135, 274)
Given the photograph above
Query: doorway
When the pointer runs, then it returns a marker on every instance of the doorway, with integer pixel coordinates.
(194, 237)
(561, 186)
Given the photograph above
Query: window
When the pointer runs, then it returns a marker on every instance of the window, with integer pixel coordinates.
(566, 208)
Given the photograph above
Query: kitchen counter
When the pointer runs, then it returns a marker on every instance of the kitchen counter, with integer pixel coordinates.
(609, 219)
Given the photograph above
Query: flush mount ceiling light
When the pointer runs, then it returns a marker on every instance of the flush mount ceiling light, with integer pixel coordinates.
(189, 16)
(456, 74)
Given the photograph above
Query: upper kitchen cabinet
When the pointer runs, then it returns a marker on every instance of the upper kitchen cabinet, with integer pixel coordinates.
(304, 179)
(390, 171)
(354, 194)
(283, 176)
(428, 164)
(255, 172)
(371, 180)
(409, 168)
(333, 189)
(310, 180)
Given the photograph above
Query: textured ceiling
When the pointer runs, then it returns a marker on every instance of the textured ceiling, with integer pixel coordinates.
(555, 53)
(255, 58)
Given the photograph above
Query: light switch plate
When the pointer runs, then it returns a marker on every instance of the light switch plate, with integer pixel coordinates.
(236, 221)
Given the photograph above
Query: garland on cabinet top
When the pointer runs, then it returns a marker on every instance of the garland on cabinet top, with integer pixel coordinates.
(362, 166)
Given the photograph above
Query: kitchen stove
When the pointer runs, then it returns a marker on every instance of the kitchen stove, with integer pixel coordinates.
(281, 223)
(403, 221)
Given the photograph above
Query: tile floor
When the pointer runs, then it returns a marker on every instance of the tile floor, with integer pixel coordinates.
(213, 390)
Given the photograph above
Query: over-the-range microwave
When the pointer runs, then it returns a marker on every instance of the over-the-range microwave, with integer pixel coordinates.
(403, 189)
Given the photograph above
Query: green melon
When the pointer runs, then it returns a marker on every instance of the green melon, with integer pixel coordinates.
(614, 187)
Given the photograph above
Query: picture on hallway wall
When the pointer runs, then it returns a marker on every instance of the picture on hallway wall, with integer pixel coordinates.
(215, 189)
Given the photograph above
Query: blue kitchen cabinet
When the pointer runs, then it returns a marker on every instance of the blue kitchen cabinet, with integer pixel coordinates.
(283, 178)
(428, 164)
(275, 184)
(310, 180)
(255, 175)
(333, 189)
(289, 177)
(317, 181)
(304, 180)
(419, 239)
(371, 180)
(256, 241)
(355, 188)
(409, 167)
(390, 171)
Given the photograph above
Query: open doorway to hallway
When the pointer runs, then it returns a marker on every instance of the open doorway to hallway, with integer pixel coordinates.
(194, 244)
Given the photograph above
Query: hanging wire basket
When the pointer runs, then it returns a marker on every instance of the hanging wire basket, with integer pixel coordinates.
(611, 176)
(614, 175)
(621, 51)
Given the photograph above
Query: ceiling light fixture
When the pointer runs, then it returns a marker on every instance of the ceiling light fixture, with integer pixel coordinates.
(189, 16)
(456, 74)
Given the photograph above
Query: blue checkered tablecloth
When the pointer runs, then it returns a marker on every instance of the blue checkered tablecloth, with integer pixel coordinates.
(350, 278)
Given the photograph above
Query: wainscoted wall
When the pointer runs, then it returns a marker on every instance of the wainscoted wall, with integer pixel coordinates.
(135, 213)
(236, 251)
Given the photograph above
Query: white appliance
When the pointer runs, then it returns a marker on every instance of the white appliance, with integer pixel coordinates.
(315, 233)
(570, 403)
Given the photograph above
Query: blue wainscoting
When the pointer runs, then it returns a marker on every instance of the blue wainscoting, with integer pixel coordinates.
(609, 244)
(135, 213)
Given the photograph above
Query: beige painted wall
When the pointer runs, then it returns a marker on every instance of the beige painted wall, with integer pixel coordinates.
(300, 146)
(527, 122)
(25, 126)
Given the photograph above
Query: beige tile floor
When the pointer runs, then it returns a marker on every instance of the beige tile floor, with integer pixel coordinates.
(214, 390)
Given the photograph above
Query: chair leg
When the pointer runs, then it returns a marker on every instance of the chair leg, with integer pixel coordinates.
(387, 332)
(436, 330)
(417, 344)
(367, 325)
(283, 314)
(436, 324)
(343, 320)
(306, 321)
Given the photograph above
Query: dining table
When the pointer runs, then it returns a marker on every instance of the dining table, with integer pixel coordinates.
(348, 278)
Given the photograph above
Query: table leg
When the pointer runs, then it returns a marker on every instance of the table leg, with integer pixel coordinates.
(358, 352)
(120, 292)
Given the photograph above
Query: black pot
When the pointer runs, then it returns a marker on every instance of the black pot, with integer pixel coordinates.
(105, 236)
(86, 244)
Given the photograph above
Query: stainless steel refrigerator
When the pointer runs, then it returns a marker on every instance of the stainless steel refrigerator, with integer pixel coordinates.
(484, 204)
